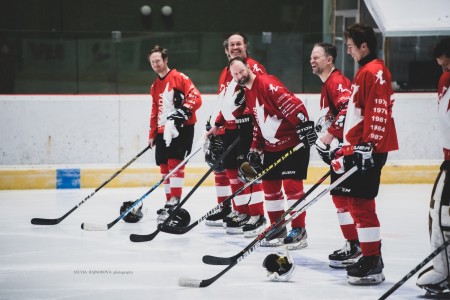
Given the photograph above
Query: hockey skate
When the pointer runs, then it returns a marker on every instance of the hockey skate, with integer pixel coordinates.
(229, 217)
(436, 284)
(173, 201)
(217, 219)
(296, 239)
(275, 239)
(347, 255)
(437, 294)
(254, 226)
(236, 224)
(368, 270)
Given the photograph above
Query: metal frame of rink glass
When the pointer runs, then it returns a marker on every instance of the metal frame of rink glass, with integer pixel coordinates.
(151, 236)
(189, 282)
(43, 221)
(104, 227)
(183, 230)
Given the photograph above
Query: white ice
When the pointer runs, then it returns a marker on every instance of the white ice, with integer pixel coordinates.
(64, 262)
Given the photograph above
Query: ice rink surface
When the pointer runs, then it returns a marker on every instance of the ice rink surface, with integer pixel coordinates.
(65, 262)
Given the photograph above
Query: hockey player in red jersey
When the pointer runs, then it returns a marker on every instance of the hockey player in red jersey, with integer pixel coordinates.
(278, 114)
(369, 134)
(212, 153)
(175, 100)
(436, 278)
(333, 102)
(248, 215)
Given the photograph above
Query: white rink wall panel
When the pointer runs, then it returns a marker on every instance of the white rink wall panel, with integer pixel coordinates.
(110, 129)
(81, 140)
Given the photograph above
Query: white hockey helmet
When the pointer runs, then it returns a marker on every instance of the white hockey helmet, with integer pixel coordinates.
(279, 267)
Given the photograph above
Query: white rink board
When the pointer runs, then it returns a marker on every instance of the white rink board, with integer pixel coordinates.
(110, 129)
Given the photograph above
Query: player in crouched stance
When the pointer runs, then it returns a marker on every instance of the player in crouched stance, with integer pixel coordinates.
(281, 123)
(436, 278)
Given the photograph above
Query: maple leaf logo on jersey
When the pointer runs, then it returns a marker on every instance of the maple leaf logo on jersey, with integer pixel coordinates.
(228, 106)
(379, 76)
(353, 116)
(256, 69)
(269, 126)
(444, 98)
(341, 89)
(273, 89)
(165, 105)
(340, 121)
(222, 86)
(444, 89)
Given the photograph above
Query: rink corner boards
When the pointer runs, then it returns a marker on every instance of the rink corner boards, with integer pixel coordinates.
(18, 178)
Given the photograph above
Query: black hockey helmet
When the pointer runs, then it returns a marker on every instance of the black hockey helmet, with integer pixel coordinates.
(181, 219)
(135, 215)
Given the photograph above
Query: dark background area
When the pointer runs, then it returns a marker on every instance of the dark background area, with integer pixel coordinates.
(101, 46)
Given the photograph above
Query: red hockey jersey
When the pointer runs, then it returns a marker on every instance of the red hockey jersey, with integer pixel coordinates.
(163, 105)
(336, 91)
(274, 109)
(444, 112)
(369, 113)
(228, 90)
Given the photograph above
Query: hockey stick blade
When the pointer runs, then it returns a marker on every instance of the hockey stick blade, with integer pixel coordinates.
(94, 227)
(196, 283)
(218, 261)
(139, 238)
(189, 282)
(40, 221)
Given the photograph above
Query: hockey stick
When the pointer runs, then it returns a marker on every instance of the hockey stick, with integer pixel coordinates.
(42, 221)
(151, 236)
(214, 260)
(189, 282)
(102, 227)
(415, 270)
(183, 230)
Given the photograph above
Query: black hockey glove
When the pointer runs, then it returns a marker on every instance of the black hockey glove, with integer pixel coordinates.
(178, 98)
(255, 161)
(240, 98)
(306, 133)
(324, 151)
(214, 151)
(362, 156)
(180, 115)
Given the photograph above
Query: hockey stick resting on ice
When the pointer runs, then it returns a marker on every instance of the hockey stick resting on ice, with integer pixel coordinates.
(415, 270)
(151, 236)
(189, 282)
(103, 227)
(42, 221)
(183, 230)
(214, 260)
